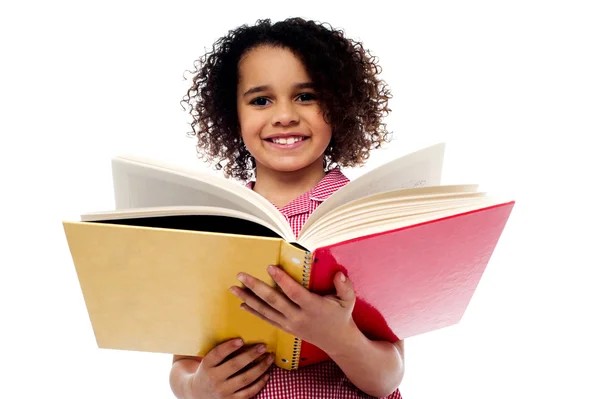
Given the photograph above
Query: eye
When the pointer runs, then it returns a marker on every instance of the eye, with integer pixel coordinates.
(306, 97)
(260, 101)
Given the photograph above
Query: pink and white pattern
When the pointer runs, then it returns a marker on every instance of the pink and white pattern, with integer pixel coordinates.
(323, 380)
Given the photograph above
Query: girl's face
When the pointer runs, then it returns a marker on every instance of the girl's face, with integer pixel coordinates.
(281, 122)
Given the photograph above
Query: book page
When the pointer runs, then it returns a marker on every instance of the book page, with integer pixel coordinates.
(197, 213)
(390, 202)
(396, 221)
(417, 169)
(422, 195)
(141, 183)
(359, 224)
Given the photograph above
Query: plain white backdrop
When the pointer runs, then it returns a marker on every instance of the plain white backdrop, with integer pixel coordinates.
(512, 87)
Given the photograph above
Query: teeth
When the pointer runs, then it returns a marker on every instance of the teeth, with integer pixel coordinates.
(290, 140)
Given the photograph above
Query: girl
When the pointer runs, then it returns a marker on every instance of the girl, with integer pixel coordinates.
(290, 103)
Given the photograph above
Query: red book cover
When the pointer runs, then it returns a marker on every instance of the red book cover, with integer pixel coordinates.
(411, 280)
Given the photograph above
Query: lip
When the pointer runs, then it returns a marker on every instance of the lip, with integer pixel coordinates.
(285, 135)
(287, 147)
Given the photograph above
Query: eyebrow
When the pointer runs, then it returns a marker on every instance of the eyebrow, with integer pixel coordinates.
(257, 89)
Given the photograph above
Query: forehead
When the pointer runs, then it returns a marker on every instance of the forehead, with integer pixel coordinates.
(273, 66)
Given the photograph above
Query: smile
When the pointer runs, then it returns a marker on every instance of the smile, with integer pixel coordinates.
(287, 143)
(288, 140)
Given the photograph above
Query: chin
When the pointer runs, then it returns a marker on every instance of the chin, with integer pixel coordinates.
(295, 165)
(290, 164)
(288, 168)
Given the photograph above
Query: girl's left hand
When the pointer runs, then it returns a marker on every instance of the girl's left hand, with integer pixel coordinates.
(311, 317)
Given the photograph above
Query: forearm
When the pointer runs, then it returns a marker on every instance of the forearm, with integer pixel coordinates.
(180, 377)
(374, 367)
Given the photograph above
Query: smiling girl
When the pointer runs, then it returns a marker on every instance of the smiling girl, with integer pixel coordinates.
(282, 107)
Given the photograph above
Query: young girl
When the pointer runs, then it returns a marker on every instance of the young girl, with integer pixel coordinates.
(290, 103)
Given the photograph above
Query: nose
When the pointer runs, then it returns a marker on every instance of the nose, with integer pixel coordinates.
(284, 114)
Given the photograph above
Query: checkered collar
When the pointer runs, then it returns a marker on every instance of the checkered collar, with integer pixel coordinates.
(329, 184)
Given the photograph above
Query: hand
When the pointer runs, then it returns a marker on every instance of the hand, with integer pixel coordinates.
(314, 318)
(227, 371)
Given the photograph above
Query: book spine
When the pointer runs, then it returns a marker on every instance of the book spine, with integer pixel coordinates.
(297, 263)
(306, 268)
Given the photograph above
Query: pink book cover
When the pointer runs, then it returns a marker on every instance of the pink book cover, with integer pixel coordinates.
(411, 280)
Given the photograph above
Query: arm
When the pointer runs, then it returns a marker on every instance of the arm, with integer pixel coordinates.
(374, 367)
(182, 371)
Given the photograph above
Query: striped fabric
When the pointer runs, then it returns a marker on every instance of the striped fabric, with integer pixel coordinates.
(323, 380)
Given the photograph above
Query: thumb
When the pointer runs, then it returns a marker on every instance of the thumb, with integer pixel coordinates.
(343, 287)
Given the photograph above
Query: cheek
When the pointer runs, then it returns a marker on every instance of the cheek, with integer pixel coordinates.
(250, 124)
(318, 121)
(324, 129)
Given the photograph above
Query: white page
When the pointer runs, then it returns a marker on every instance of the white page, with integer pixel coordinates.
(374, 228)
(139, 183)
(417, 169)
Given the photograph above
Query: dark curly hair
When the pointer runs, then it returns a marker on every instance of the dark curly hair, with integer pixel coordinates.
(344, 73)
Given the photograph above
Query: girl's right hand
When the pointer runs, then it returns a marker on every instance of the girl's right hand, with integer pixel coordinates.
(223, 373)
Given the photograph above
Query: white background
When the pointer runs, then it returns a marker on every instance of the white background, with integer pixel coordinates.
(512, 87)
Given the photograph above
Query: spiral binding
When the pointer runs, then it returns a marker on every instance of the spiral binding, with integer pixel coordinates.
(306, 267)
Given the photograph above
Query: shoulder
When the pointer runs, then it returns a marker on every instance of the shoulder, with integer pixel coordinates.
(336, 175)
(333, 181)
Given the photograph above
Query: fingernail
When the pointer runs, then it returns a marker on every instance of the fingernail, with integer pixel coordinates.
(241, 277)
(343, 278)
(271, 270)
(238, 342)
(261, 349)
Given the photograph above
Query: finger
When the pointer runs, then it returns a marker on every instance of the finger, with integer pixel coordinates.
(344, 289)
(220, 352)
(261, 308)
(253, 389)
(274, 304)
(237, 363)
(249, 376)
(260, 316)
(292, 289)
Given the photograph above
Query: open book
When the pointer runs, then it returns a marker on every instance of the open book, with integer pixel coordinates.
(155, 271)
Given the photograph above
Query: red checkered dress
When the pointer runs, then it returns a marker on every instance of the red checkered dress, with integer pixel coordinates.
(323, 380)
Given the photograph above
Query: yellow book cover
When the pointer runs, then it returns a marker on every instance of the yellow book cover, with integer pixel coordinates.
(161, 290)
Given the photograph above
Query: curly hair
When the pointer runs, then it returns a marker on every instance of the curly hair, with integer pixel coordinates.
(352, 97)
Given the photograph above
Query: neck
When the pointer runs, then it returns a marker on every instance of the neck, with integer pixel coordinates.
(281, 188)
